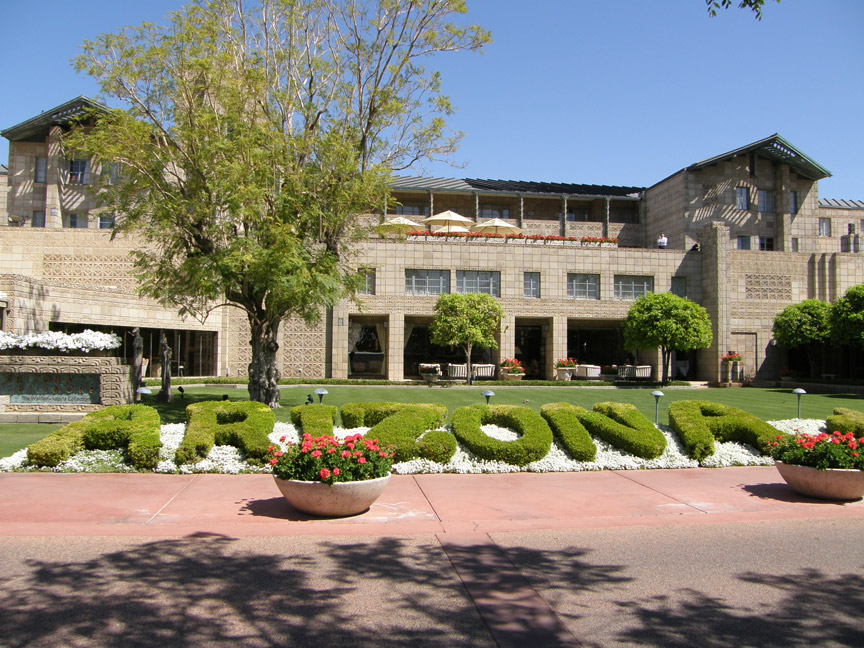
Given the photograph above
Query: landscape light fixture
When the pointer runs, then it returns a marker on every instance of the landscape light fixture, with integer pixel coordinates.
(657, 395)
(144, 390)
(799, 393)
(320, 393)
(488, 393)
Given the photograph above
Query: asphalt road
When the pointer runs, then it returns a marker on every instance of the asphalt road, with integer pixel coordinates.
(773, 583)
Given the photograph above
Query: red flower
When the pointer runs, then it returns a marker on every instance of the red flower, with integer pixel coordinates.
(316, 453)
(325, 474)
(361, 460)
(335, 472)
(273, 462)
(282, 439)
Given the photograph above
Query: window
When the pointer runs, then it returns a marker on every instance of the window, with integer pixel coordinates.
(412, 209)
(766, 244)
(861, 229)
(794, 244)
(679, 286)
(106, 221)
(742, 198)
(632, 287)
(40, 173)
(110, 173)
(624, 214)
(427, 282)
(38, 219)
(579, 214)
(531, 284)
(793, 202)
(494, 211)
(583, 286)
(75, 221)
(766, 202)
(79, 172)
(743, 242)
(367, 287)
(477, 281)
(824, 227)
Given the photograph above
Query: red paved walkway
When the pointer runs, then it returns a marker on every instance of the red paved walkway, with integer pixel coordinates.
(249, 505)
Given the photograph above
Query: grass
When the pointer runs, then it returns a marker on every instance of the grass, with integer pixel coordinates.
(766, 404)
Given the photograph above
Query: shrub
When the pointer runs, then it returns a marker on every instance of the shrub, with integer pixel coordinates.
(725, 423)
(356, 415)
(437, 445)
(533, 445)
(401, 430)
(563, 419)
(131, 428)
(624, 427)
(686, 419)
(316, 420)
(846, 420)
(243, 424)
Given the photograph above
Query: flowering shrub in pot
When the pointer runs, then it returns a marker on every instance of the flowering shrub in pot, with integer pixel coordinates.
(827, 466)
(326, 477)
(512, 366)
(731, 357)
(566, 363)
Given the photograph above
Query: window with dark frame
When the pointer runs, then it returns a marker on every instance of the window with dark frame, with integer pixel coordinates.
(629, 287)
(40, 172)
(583, 286)
(679, 286)
(106, 221)
(478, 281)
(531, 285)
(766, 244)
(79, 172)
(793, 202)
(38, 219)
(742, 198)
(743, 242)
(766, 202)
(368, 285)
(824, 227)
(427, 282)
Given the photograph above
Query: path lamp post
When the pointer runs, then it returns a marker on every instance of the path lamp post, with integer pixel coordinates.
(488, 393)
(799, 393)
(320, 393)
(657, 395)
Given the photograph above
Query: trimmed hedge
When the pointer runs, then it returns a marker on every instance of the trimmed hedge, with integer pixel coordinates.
(316, 420)
(846, 420)
(624, 427)
(132, 428)
(534, 444)
(243, 424)
(689, 419)
(400, 427)
(563, 419)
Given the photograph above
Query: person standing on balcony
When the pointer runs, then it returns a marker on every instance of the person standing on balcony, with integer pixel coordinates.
(662, 241)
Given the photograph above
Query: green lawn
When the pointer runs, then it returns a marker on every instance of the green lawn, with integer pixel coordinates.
(767, 404)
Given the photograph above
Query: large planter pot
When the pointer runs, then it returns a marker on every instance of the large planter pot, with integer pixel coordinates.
(512, 376)
(431, 378)
(564, 373)
(832, 484)
(338, 500)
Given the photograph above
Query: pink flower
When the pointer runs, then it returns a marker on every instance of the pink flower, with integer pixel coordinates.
(325, 474)
(316, 453)
(344, 454)
(278, 453)
(361, 460)
(282, 439)
(335, 472)
(273, 462)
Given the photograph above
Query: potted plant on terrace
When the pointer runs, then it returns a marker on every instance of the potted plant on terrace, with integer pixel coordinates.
(511, 369)
(825, 466)
(565, 367)
(326, 477)
(430, 373)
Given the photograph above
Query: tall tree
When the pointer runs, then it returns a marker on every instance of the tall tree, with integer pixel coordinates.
(803, 326)
(669, 322)
(250, 135)
(847, 318)
(753, 5)
(466, 321)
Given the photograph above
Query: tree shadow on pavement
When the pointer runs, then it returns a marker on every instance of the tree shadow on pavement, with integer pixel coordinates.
(807, 608)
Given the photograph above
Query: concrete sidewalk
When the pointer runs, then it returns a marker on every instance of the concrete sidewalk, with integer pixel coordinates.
(39, 504)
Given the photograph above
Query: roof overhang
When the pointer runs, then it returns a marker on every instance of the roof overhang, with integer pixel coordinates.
(36, 128)
(773, 148)
(513, 188)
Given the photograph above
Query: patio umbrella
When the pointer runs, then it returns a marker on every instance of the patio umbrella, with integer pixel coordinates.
(452, 229)
(496, 226)
(448, 218)
(401, 225)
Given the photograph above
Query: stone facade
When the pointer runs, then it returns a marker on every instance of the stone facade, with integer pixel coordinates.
(747, 236)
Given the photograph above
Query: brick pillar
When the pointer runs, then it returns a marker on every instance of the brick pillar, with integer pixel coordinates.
(557, 347)
(396, 346)
(507, 343)
(338, 343)
(54, 179)
(715, 294)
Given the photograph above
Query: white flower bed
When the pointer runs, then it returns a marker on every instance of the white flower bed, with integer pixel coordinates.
(55, 341)
(229, 460)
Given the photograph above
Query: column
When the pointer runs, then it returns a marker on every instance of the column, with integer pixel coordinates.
(338, 335)
(507, 346)
(715, 296)
(558, 346)
(54, 179)
(396, 346)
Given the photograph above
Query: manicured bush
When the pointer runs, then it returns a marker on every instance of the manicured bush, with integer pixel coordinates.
(686, 419)
(563, 419)
(316, 420)
(534, 443)
(401, 430)
(57, 446)
(626, 428)
(437, 445)
(846, 420)
(242, 424)
(724, 422)
(356, 415)
(131, 428)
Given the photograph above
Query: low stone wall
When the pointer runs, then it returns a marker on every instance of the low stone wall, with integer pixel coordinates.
(63, 383)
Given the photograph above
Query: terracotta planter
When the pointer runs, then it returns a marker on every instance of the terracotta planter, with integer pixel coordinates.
(832, 484)
(512, 376)
(339, 500)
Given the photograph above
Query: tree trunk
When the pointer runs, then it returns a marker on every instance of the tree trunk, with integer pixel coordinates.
(165, 395)
(468, 363)
(666, 355)
(263, 373)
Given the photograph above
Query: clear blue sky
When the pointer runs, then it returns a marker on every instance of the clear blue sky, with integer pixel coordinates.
(588, 91)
